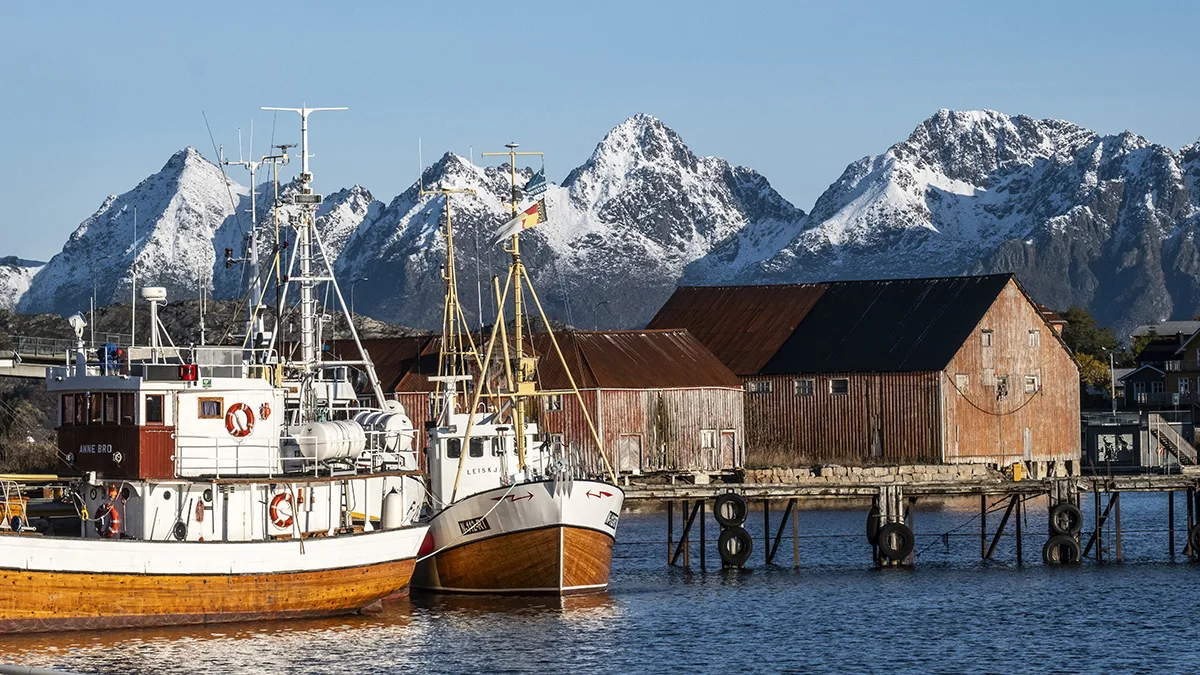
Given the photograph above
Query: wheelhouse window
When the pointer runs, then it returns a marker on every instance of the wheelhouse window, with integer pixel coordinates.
(804, 387)
(110, 408)
(127, 409)
(95, 408)
(476, 449)
(211, 408)
(554, 402)
(154, 409)
(68, 409)
(80, 408)
(839, 385)
(454, 448)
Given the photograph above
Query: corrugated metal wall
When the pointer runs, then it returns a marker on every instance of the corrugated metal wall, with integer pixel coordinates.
(882, 418)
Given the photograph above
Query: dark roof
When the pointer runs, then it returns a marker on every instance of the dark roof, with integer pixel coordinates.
(1166, 328)
(1052, 317)
(743, 326)
(640, 359)
(895, 325)
(1159, 349)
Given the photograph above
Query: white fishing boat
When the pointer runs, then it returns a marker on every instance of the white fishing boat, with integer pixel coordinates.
(511, 512)
(222, 483)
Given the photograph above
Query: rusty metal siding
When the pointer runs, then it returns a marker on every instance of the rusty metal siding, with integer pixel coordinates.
(981, 425)
(882, 418)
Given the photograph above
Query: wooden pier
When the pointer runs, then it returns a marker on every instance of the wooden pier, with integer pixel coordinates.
(890, 519)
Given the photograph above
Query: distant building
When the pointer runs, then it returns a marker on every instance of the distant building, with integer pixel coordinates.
(659, 400)
(959, 369)
(1168, 366)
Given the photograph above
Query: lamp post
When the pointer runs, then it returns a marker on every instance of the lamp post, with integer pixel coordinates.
(1112, 382)
(352, 285)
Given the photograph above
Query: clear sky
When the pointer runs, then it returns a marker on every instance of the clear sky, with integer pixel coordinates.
(96, 96)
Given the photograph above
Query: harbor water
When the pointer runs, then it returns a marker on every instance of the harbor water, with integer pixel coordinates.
(951, 613)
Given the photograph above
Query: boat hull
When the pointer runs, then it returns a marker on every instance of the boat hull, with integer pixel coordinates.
(372, 567)
(555, 538)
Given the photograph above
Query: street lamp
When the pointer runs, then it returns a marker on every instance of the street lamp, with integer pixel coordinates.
(352, 285)
(1112, 381)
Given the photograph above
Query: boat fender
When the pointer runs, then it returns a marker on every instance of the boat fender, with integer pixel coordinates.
(113, 528)
(895, 541)
(873, 525)
(1061, 549)
(199, 512)
(729, 509)
(1194, 539)
(239, 420)
(16, 524)
(1066, 518)
(735, 545)
(180, 530)
(264, 411)
(280, 521)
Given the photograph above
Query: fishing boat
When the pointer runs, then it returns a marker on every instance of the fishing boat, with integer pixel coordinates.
(513, 513)
(222, 483)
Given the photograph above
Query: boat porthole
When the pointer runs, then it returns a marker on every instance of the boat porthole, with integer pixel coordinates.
(167, 495)
(125, 494)
(208, 495)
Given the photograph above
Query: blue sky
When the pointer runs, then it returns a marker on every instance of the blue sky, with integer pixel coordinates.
(96, 96)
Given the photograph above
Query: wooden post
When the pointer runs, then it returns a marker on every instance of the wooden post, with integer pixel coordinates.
(703, 507)
(1171, 523)
(1187, 535)
(1096, 536)
(670, 528)
(1020, 509)
(686, 538)
(1117, 524)
(1000, 530)
(983, 527)
(767, 530)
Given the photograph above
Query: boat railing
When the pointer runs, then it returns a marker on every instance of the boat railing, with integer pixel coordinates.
(197, 455)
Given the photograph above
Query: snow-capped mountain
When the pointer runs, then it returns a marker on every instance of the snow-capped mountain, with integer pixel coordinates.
(1106, 222)
(15, 276)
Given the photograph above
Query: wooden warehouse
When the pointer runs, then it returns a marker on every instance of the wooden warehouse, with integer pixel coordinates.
(958, 369)
(659, 399)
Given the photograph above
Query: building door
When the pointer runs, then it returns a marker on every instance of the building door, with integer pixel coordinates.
(629, 453)
(728, 448)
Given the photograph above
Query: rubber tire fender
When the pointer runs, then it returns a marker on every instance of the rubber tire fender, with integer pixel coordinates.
(736, 505)
(895, 541)
(1066, 518)
(1052, 551)
(873, 525)
(1194, 539)
(730, 538)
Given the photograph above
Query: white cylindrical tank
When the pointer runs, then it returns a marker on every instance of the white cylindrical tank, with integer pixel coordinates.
(157, 293)
(392, 516)
(323, 441)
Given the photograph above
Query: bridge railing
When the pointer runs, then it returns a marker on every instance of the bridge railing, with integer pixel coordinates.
(30, 345)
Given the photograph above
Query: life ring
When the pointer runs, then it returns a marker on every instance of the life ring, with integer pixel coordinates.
(277, 520)
(114, 521)
(264, 411)
(239, 420)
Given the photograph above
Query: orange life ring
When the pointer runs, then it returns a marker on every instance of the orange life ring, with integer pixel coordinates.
(276, 519)
(264, 411)
(239, 420)
(114, 523)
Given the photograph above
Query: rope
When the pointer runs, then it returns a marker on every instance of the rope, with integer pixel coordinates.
(996, 414)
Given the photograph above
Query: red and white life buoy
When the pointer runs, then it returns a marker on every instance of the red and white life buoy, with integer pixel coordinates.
(239, 420)
(277, 519)
(113, 527)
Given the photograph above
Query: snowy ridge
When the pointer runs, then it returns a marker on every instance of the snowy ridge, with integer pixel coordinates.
(15, 276)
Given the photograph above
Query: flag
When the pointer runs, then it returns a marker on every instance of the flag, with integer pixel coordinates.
(526, 219)
(537, 184)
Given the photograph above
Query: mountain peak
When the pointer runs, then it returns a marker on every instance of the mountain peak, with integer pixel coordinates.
(641, 137)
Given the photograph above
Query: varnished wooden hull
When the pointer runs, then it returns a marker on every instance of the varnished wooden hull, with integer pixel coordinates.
(557, 560)
(50, 601)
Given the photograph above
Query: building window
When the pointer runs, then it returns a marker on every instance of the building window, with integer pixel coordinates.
(1184, 385)
(476, 449)
(759, 387)
(127, 409)
(554, 402)
(1035, 338)
(110, 408)
(68, 409)
(1157, 387)
(987, 338)
(1031, 384)
(1139, 387)
(154, 409)
(211, 408)
(804, 387)
(454, 448)
(1001, 386)
(839, 385)
(708, 439)
(963, 382)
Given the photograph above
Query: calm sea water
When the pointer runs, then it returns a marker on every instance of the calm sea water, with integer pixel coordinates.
(836, 613)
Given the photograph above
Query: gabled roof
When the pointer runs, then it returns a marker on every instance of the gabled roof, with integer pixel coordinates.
(1165, 328)
(892, 325)
(1134, 371)
(639, 359)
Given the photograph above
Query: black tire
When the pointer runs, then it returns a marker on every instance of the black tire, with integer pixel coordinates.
(735, 546)
(1194, 540)
(873, 525)
(730, 510)
(1066, 518)
(16, 524)
(895, 541)
(1061, 549)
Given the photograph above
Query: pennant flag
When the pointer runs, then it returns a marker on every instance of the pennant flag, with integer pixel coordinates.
(537, 184)
(526, 219)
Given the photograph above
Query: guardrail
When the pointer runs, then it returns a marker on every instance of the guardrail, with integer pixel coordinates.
(32, 345)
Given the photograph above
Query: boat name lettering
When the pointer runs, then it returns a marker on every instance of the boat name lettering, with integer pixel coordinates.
(482, 470)
(96, 449)
(473, 525)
